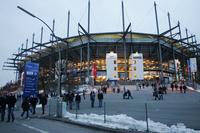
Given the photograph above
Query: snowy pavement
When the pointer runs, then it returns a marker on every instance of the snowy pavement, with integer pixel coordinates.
(176, 113)
(123, 121)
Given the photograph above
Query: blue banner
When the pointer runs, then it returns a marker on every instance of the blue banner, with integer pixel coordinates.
(31, 73)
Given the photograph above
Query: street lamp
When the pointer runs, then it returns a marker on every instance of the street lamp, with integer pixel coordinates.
(59, 51)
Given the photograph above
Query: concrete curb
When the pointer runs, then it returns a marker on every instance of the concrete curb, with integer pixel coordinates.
(97, 127)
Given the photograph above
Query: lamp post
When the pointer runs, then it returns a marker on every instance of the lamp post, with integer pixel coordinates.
(59, 50)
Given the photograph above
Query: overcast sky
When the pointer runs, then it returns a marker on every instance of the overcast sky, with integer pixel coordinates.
(16, 26)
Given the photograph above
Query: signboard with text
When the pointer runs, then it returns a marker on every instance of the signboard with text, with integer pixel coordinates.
(31, 73)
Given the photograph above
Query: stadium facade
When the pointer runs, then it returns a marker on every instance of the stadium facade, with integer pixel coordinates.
(81, 59)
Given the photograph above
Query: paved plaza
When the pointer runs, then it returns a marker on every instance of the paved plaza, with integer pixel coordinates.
(175, 108)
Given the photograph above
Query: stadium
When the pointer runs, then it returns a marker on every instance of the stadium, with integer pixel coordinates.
(81, 59)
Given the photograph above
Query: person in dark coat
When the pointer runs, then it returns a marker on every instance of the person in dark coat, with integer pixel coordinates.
(92, 98)
(176, 86)
(155, 94)
(33, 102)
(43, 101)
(184, 88)
(25, 107)
(11, 100)
(71, 99)
(100, 98)
(181, 88)
(78, 100)
(2, 106)
(160, 93)
(172, 86)
(84, 94)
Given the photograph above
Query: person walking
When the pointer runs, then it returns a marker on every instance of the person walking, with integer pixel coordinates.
(25, 107)
(2, 106)
(33, 102)
(11, 100)
(78, 100)
(129, 94)
(181, 88)
(71, 99)
(84, 94)
(92, 98)
(176, 86)
(184, 88)
(100, 98)
(155, 94)
(172, 86)
(43, 101)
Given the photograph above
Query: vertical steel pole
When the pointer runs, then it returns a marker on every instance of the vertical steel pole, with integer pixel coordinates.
(68, 24)
(124, 43)
(186, 31)
(192, 74)
(81, 61)
(173, 53)
(182, 59)
(104, 112)
(33, 38)
(59, 69)
(159, 45)
(53, 28)
(88, 44)
(26, 45)
(41, 37)
(147, 117)
(22, 49)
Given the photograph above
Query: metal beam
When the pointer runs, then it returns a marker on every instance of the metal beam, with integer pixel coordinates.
(164, 33)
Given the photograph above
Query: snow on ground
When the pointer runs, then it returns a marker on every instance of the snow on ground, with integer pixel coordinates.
(39, 106)
(190, 88)
(123, 121)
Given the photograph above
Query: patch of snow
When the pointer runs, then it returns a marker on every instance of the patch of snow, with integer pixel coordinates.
(122, 121)
(190, 88)
(39, 106)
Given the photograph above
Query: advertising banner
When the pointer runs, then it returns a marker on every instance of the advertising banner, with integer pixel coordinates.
(111, 66)
(31, 74)
(136, 66)
(193, 65)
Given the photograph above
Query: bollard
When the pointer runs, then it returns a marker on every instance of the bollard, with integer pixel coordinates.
(147, 117)
(76, 113)
(49, 105)
(104, 112)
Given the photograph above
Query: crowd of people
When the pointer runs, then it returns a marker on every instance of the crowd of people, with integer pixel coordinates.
(29, 104)
(159, 90)
(8, 101)
(179, 86)
(71, 97)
